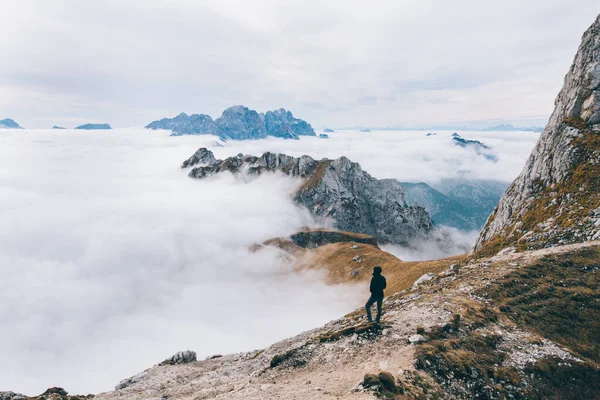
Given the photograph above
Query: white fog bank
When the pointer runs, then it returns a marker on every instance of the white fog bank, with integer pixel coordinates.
(112, 259)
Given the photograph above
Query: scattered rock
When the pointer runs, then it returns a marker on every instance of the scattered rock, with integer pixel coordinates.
(182, 357)
(130, 381)
(422, 279)
(416, 338)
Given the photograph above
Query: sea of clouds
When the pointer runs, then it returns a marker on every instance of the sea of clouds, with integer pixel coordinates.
(112, 259)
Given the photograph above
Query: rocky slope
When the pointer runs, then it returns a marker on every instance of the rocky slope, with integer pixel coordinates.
(237, 123)
(490, 329)
(337, 190)
(556, 198)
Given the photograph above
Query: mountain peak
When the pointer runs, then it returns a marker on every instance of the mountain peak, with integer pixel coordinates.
(9, 123)
(556, 198)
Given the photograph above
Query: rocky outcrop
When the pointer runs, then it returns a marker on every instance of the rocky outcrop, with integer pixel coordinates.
(90, 127)
(237, 123)
(320, 237)
(340, 191)
(8, 123)
(475, 145)
(556, 198)
(281, 123)
(54, 393)
(183, 124)
(181, 357)
(202, 156)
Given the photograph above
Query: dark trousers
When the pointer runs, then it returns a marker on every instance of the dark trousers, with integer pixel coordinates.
(372, 300)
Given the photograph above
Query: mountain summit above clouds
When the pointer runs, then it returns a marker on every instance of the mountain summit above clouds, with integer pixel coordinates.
(556, 198)
(238, 123)
(338, 190)
(9, 123)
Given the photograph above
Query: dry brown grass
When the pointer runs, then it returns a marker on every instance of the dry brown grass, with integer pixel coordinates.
(337, 259)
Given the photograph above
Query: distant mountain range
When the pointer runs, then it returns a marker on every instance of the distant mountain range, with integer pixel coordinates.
(460, 203)
(237, 123)
(8, 123)
(90, 127)
(501, 127)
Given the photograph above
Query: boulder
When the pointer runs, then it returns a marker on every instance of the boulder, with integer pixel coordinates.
(182, 357)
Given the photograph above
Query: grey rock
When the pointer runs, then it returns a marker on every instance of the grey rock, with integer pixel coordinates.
(416, 338)
(11, 396)
(130, 381)
(550, 167)
(339, 190)
(182, 357)
(422, 279)
(202, 156)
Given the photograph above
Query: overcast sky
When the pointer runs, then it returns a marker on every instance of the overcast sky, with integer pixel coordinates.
(333, 63)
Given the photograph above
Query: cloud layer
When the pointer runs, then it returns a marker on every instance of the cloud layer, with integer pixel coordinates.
(112, 259)
(337, 63)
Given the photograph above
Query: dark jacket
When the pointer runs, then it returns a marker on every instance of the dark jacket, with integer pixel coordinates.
(377, 285)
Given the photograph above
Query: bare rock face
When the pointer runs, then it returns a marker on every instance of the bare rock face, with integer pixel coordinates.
(339, 190)
(202, 156)
(556, 198)
(181, 357)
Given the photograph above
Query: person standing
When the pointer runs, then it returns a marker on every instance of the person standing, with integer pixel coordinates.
(378, 283)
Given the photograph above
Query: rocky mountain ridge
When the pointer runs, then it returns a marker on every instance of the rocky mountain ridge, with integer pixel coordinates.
(238, 123)
(556, 198)
(464, 204)
(337, 190)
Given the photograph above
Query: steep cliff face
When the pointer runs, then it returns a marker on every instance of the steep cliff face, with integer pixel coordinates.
(556, 198)
(337, 190)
